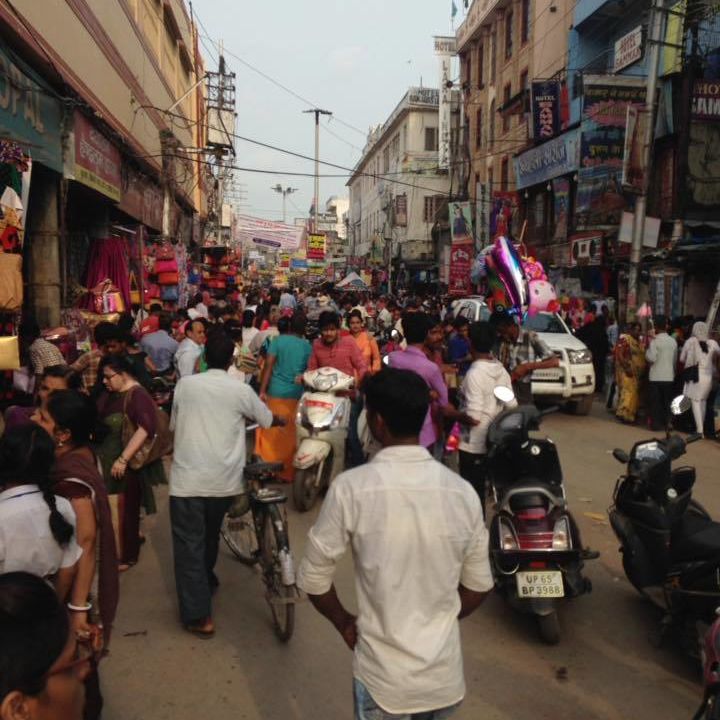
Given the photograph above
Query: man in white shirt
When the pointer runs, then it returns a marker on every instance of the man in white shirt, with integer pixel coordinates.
(421, 561)
(190, 349)
(662, 354)
(208, 418)
(198, 309)
(287, 300)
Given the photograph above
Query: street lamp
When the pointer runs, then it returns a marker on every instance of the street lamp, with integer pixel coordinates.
(284, 192)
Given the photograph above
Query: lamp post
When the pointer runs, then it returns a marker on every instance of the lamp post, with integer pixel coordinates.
(317, 112)
(284, 192)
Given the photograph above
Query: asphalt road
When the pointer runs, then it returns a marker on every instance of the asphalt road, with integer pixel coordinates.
(605, 667)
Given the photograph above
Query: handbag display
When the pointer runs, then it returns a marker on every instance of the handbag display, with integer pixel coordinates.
(152, 292)
(169, 293)
(135, 298)
(9, 353)
(153, 448)
(165, 252)
(168, 278)
(11, 285)
(691, 374)
(107, 298)
(166, 266)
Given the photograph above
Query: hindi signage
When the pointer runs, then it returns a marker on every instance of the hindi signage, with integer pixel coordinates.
(556, 157)
(316, 247)
(460, 267)
(546, 109)
(628, 49)
(97, 161)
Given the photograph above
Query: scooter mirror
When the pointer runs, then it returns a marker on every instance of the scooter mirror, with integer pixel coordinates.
(621, 456)
(386, 360)
(680, 405)
(504, 394)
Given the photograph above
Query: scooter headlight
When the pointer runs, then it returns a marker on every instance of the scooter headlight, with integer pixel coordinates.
(508, 538)
(561, 535)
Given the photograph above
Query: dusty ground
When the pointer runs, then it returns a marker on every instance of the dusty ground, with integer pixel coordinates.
(604, 668)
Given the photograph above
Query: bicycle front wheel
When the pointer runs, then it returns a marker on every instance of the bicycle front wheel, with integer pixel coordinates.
(280, 597)
(239, 535)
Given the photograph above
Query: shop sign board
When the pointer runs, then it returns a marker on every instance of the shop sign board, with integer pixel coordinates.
(556, 157)
(586, 250)
(461, 256)
(706, 100)
(141, 198)
(316, 247)
(401, 211)
(30, 114)
(546, 109)
(628, 49)
(268, 233)
(651, 231)
(97, 161)
(445, 48)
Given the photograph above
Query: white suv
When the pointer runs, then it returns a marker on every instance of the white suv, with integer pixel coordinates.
(573, 381)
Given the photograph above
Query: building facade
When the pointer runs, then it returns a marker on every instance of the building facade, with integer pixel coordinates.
(117, 99)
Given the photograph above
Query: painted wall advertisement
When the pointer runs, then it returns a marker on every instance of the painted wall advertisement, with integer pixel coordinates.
(546, 109)
(461, 227)
(97, 161)
(600, 200)
(460, 266)
(316, 247)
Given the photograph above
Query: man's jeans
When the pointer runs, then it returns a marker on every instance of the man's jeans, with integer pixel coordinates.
(196, 523)
(367, 709)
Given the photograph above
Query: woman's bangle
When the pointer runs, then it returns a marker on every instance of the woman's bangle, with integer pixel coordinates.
(79, 608)
(122, 460)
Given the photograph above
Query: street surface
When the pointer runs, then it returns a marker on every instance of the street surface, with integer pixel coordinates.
(605, 667)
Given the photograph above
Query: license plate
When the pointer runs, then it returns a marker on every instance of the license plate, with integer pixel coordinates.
(543, 584)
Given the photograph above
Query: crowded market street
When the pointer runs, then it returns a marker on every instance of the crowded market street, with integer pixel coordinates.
(604, 668)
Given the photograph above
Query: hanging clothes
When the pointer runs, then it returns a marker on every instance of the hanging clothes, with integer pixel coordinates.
(107, 259)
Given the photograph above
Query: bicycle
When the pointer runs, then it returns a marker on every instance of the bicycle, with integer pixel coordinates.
(255, 529)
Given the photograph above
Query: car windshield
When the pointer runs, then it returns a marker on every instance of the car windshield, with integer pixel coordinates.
(544, 323)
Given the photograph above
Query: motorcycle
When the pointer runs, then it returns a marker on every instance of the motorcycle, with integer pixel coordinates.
(670, 546)
(535, 546)
(710, 707)
(323, 418)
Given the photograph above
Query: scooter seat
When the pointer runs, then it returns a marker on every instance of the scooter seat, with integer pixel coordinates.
(695, 538)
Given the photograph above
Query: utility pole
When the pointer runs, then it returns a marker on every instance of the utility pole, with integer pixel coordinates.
(284, 192)
(654, 39)
(318, 112)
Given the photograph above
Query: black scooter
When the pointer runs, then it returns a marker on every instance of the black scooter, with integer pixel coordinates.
(669, 543)
(535, 546)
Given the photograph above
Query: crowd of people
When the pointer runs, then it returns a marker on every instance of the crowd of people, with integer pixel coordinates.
(79, 465)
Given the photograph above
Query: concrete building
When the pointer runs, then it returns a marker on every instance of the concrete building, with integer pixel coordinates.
(107, 156)
(398, 194)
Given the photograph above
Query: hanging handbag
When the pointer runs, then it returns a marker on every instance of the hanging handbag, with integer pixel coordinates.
(165, 252)
(11, 285)
(166, 266)
(107, 298)
(168, 278)
(9, 353)
(135, 298)
(152, 291)
(169, 293)
(153, 448)
(691, 374)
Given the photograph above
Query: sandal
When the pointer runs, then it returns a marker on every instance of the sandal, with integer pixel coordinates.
(205, 629)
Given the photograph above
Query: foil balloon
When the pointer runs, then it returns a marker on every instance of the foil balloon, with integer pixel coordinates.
(496, 289)
(510, 271)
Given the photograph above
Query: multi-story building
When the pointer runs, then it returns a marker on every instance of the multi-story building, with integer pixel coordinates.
(105, 97)
(398, 192)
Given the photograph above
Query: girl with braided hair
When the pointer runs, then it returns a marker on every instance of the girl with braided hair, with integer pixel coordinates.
(37, 528)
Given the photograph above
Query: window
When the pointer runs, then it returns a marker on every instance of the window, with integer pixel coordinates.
(524, 84)
(431, 139)
(463, 68)
(508, 35)
(429, 209)
(481, 66)
(435, 208)
(395, 147)
(504, 168)
(491, 128)
(506, 114)
(386, 159)
(478, 129)
(524, 87)
(525, 22)
(493, 56)
(491, 176)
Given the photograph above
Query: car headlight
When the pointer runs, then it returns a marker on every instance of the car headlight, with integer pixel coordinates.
(580, 357)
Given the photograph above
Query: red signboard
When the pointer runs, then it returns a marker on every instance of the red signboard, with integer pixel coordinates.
(460, 266)
(97, 160)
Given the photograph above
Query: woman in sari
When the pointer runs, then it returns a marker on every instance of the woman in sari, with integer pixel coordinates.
(70, 420)
(287, 359)
(123, 401)
(629, 369)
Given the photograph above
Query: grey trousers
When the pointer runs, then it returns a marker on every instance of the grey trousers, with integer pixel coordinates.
(196, 523)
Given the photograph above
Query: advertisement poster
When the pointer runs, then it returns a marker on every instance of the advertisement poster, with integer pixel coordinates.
(633, 169)
(460, 266)
(316, 247)
(600, 200)
(561, 199)
(504, 216)
(546, 109)
(461, 227)
(401, 210)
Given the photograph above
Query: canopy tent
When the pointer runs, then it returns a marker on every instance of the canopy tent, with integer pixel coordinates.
(353, 280)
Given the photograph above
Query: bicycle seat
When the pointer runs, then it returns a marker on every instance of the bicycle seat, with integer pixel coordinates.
(262, 468)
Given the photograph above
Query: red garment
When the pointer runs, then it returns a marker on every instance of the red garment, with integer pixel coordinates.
(344, 355)
(107, 260)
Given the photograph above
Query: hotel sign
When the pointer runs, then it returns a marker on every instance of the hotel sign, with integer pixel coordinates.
(628, 49)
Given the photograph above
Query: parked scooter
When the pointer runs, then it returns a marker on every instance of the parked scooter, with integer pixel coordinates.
(535, 546)
(323, 418)
(710, 706)
(669, 544)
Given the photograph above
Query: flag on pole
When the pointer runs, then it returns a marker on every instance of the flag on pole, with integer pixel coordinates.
(453, 12)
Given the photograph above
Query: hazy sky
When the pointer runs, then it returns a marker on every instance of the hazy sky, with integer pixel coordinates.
(356, 59)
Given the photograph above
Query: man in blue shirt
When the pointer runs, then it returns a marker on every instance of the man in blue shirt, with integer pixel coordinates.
(160, 346)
